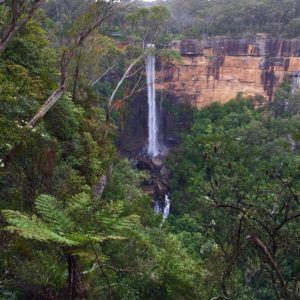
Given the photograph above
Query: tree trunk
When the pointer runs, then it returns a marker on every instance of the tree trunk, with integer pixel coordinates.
(284, 290)
(73, 277)
(76, 75)
(7, 38)
(47, 105)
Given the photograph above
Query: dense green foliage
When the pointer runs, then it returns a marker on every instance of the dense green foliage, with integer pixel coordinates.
(236, 182)
(195, 18)
(75, 222)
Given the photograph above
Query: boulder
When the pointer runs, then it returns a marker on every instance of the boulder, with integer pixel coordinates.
(157, 162)
(160, 188)
(149, 190)
(164, 172)
(143, 163)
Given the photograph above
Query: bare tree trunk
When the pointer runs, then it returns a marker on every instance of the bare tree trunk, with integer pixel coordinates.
(76, 75)
(110, 100)
(47, 105)
(125, 75)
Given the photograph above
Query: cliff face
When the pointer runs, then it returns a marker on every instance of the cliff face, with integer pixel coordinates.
(218, 69)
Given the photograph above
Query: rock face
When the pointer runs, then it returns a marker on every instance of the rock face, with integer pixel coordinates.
(158, 183)
(219, 68)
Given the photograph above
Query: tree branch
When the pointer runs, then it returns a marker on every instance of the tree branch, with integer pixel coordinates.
(17, 21)
(122, 80)
(256, 241)
(93, 83)
(67, 58)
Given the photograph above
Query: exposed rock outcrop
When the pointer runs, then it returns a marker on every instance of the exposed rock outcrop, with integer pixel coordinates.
(219, 68)
(158, 183)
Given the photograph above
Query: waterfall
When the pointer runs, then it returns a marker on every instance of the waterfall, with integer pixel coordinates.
(157, 207)
(153, 147)
(167, 207)
(166, 211)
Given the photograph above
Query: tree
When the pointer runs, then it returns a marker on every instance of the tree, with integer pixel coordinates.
(63, 227)
(15, 16)
(148, 26)
(239, 179)
(98, 13)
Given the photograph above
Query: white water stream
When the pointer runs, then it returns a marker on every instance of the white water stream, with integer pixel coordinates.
(166, 211)
(153, 147)
(153, 144)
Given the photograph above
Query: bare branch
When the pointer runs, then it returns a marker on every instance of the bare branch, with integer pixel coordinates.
(122, 79)
(93, 83)
(134, 90)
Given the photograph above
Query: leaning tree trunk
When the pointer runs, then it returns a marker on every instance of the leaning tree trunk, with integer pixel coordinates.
(271, 261)
(47, 105)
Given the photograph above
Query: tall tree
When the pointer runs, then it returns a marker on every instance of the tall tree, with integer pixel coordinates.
(97, 14)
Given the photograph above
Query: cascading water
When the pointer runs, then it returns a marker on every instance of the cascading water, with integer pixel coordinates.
(157, 207)
(167, 207)
(153, 147)
(153, 143)
(166, 211)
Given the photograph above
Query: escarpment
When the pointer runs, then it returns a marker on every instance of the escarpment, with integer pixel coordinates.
(220, 68)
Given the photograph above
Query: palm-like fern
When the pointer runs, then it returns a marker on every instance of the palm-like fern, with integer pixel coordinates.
(51, 211)
(77, 229)
(33, 228)
(56, 224)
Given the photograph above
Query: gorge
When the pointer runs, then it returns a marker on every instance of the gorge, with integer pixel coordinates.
(217, 70)
(209, 70)
(150, 150)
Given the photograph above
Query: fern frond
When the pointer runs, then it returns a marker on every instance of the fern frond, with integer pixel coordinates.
(126, 223)
(79, 202)
(115, 208)
(52, 213)
(116, 237)
(82, 239)
(33, 228)
(110, 217)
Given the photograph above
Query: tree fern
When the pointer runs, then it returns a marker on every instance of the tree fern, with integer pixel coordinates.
(110, 217)
(33, 228)
(52, 213)
(56, 224)
(79, 202)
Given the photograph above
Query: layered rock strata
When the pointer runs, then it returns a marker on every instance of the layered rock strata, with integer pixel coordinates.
(217, 69)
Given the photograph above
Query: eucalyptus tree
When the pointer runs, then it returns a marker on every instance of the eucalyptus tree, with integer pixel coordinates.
(97, 13)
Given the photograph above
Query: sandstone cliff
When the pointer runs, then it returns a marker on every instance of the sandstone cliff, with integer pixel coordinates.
(217, 69)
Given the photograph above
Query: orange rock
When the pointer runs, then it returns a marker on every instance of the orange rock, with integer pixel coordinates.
(221, 71)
